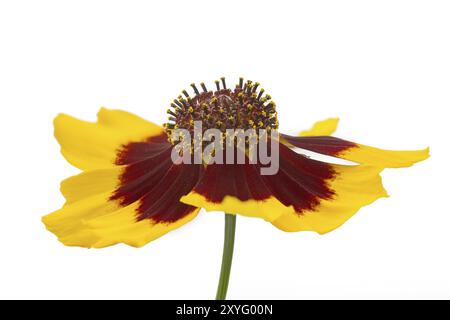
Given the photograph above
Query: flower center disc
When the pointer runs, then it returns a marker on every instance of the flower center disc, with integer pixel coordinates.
(245, 107)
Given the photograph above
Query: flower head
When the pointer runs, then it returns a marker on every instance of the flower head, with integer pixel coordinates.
(130, 190)
(245, 107)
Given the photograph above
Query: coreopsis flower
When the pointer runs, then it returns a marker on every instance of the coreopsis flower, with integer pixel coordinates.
(132, 192)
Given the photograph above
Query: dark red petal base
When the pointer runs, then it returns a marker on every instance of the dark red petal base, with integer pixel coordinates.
(300, 181)
(151, 178)
(325, 145)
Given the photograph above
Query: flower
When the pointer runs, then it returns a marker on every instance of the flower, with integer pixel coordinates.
(130, 190)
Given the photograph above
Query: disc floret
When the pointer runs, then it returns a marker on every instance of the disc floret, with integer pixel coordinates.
(245, 107)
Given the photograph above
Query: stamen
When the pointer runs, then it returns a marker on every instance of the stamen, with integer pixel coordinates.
(261, 92)
(214, 100)
(270, 108)
(195, 89)
(249, 88)
(183, 101)
(171, 112)
(223, 82)
(245, 107)
(178, 103)
(241, 96)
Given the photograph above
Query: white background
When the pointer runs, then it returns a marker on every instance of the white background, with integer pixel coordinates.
(383, 67)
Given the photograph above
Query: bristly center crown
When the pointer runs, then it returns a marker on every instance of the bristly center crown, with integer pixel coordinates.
(245, 107)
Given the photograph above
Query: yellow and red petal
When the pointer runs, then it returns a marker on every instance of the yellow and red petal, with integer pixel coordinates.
(97, 222)
(353, 187)
(90, 146)
(356, 152)
(134, 202)
(321, 128)
(304, 195)
(235, 189)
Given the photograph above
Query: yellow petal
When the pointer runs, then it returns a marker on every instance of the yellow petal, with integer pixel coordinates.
(384, 158)
(356, 152)
(322, 128)
(90, 183)
(90, 146)
(134, 126)
(354, 187)
(268, 209)
(96, 222)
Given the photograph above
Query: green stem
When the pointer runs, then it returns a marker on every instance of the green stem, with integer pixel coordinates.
(227, 257)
